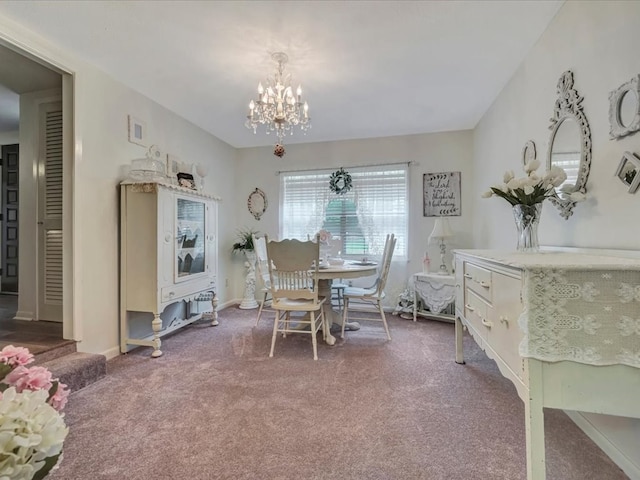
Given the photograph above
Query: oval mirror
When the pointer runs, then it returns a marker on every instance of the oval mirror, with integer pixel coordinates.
(565, 150)
(569, 145)
(528, 152)
(257, 203)
(628, 108)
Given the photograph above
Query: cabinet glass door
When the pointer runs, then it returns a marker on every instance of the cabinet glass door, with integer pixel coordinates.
(190, 238)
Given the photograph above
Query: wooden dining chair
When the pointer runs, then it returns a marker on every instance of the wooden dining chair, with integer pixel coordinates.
(293, 271)
(374, 294)
(262, 267)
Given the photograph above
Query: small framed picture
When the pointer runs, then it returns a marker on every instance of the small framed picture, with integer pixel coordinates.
(186, 180)
(137, 131)
(628, 170)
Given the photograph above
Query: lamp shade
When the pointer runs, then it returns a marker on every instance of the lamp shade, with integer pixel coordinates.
(441, 229)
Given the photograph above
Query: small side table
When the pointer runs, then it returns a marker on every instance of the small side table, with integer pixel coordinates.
(436, 292)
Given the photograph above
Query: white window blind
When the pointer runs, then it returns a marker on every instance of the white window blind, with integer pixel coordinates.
(360, 219)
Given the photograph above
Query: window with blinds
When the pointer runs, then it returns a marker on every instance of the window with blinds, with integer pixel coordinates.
(359, 220)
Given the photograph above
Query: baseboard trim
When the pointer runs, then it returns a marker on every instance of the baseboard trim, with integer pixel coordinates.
(230, 303)
(24, 315)
(619, 458)
(112, 352)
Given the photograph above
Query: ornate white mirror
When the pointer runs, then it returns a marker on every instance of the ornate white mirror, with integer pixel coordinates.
(569, 144)
(624, 108)
(257, 203)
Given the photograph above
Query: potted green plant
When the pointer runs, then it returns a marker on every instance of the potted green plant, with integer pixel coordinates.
(244, 241)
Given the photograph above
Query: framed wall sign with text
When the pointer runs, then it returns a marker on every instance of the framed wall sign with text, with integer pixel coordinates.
(441, 194)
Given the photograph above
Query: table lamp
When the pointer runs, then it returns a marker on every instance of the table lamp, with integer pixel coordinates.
(441, 231)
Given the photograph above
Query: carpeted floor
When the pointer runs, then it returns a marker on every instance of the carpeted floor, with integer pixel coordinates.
(216, 407)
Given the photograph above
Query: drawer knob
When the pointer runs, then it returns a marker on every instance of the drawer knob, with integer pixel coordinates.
(469, 307)
(504, 320)
(467, 275)
(484, 284)
(171, 294)
(486, 323)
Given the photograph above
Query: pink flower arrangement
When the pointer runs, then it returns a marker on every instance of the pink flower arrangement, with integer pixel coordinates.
(324, 236)
(14, 373)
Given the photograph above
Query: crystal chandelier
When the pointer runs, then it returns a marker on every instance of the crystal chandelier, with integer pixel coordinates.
(277, 107)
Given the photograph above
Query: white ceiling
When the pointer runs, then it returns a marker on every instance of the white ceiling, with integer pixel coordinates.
(367, 68)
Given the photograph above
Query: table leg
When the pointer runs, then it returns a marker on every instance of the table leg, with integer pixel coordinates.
(330, 316)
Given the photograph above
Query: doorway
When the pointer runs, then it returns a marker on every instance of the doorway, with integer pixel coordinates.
(28, 78)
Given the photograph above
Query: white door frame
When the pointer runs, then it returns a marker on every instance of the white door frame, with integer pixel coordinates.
(71, 320)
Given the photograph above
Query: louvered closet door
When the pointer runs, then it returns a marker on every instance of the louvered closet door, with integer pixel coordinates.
(50, 214)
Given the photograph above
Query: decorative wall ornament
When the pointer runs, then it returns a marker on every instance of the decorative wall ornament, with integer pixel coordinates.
(441, 194)
(628, 170)
(340, 182)
(257, 203)
(569, 144)
(528, 152)
(278, 150)
(624, 108)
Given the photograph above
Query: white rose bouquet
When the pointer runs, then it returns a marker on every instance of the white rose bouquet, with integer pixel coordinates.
(532, 188)
(32, 429)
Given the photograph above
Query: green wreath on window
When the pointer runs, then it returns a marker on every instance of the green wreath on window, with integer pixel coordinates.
(340, 182)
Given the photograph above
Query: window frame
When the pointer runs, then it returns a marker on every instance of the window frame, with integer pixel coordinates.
(368, 193)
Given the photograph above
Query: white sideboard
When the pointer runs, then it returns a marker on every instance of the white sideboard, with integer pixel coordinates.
(561, 326)
(168, 254)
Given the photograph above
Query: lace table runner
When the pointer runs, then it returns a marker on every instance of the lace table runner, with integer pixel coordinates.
(589, 316)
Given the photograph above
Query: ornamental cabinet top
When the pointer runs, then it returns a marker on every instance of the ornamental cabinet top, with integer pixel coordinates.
(152, 187)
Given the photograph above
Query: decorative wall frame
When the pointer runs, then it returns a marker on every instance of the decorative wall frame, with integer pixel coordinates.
(137, 131)
(628, 171)
(528, 152)
(567, 111)
(625, 101)
(441, 194)
(257, 203)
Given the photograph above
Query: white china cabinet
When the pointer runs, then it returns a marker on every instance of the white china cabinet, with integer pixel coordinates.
(168, 255)
(561, 325)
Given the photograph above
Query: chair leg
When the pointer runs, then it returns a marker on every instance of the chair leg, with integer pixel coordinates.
(275, 332)
(384, 319)
(323, 325)
(264, 299)
(314, 340)
(345, 315)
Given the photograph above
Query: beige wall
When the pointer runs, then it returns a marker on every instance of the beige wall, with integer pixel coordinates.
(598, 42)
(441, 152)
(102, 153)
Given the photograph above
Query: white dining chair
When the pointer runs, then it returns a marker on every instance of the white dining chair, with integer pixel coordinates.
(374, 294)
(293, 270)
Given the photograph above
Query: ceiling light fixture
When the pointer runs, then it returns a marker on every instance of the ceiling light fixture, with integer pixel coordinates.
(277, 107)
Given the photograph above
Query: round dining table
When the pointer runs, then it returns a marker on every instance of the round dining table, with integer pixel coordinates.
(326, 275)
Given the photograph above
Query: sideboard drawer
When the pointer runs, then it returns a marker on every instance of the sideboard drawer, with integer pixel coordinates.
(177, 292)
(475, 312)
(478, 279)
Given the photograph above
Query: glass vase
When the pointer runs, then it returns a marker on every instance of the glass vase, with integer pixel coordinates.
(527, 218)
